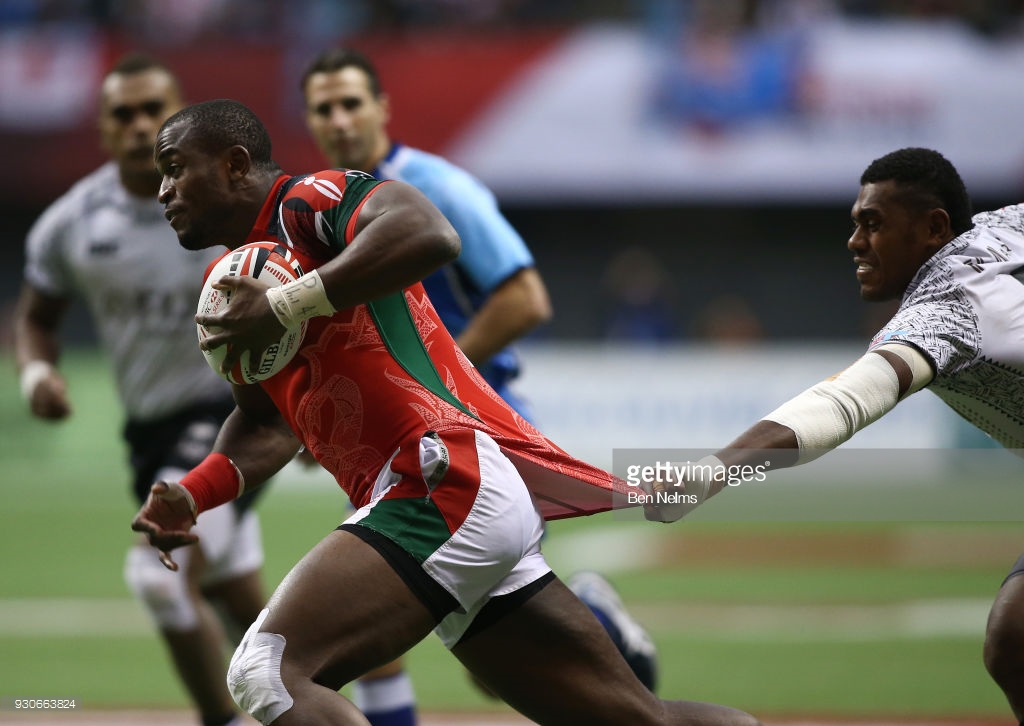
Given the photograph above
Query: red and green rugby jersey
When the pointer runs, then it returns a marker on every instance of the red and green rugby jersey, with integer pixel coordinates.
(374, 378)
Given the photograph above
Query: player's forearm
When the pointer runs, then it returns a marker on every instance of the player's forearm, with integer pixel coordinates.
(749, 447)
(514, 309)
(258, 448)
(489, 331)
(33, 343)
(248, 451)
(831, 412)
(36, 328)
(37, 321)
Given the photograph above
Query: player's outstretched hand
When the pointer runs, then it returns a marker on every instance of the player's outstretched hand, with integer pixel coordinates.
(246, 323)
(166, 519)
(670, 503)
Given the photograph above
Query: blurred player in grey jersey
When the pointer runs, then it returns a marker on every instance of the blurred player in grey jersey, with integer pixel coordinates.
(106, 240)
(959, 331)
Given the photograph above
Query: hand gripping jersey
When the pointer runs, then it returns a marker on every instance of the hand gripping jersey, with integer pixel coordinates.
(376, 377)
(965, 311)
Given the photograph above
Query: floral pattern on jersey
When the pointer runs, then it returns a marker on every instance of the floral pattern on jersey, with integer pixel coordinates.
(425, 323)
(436, 414)
(362, 331)
(330, 415)
(524, 427)
(422, 314)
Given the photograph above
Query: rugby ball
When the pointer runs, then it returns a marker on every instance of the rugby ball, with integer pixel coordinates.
(268, 262)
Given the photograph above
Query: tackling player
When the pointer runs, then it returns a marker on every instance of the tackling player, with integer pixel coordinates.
(959, 331)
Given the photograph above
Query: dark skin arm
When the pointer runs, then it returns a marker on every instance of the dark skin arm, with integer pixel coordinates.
(748, 448)
(517, 306)
(259, 443)
(37, 321)
(400, 239)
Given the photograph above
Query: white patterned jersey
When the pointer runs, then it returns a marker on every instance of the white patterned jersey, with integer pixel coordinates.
(965, 311)
(118, 252)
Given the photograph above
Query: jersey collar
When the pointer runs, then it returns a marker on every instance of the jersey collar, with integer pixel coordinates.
(261, 230)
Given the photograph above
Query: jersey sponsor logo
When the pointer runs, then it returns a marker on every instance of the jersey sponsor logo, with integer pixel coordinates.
(326, 187)
(103, 248)
(161, 312)
(885, 337)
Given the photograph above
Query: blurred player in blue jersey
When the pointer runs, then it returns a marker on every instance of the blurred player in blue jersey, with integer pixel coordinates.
(491, 296)
(106, 240)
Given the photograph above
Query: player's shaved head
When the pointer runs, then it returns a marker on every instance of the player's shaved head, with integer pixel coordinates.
(928, 180)
(214, 126)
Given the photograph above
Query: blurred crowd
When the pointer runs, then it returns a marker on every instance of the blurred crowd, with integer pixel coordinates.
(170, 21)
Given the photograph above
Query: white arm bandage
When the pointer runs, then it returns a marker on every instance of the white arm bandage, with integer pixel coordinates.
(300, 300)
(829, 413)
(920, 368)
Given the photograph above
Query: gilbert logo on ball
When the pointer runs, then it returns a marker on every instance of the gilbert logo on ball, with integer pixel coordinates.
(273, 264)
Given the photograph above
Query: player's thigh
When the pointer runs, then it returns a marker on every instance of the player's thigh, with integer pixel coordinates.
(343, 611)
(550, 659)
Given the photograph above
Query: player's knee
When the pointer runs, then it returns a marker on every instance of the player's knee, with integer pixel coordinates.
(254, 676)
(164, 593)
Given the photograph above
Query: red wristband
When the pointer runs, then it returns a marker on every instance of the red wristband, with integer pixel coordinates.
(214, 482)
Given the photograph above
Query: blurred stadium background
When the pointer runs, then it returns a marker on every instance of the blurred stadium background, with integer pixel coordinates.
(683, 172)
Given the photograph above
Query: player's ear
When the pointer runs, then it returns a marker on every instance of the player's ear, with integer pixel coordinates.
(238, 161)
(940, 229)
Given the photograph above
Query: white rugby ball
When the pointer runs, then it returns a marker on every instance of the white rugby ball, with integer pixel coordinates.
(273, 264)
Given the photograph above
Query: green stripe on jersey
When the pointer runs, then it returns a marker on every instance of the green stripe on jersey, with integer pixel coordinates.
(397, 329)
(357, 185)
(391, 314)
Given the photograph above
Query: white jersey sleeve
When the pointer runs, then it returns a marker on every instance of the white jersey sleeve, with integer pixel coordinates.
(965, 311)
(119, 255)
(45, 261)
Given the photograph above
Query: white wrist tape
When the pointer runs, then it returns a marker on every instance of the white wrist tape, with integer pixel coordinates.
(829, 413)
(699, 475)
(703, 472)
(300, 300)
(32, 375)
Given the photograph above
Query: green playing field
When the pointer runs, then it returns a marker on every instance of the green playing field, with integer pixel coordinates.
(824, 618)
